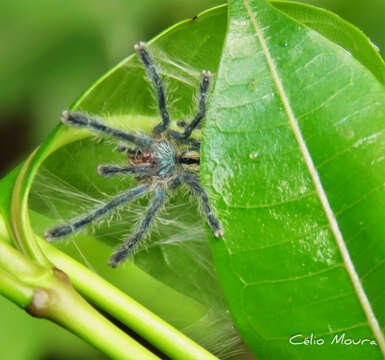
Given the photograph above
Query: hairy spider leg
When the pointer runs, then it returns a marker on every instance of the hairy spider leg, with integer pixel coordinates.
(123, 251)
(77, 224)
(181, 123)
(148, 62)
(109, 170)
(176, 182)
(76, 119)
(204, 86)
(188, 128)
(123, 148)
(192, 181)
(196, 144)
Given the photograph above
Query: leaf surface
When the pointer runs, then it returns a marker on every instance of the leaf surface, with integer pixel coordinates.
(339, 31)
(294, 157)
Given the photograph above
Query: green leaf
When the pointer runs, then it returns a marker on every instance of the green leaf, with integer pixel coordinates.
(339, 31)
(293, 154)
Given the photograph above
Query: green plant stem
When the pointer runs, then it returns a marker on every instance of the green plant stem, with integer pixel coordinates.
(155, 330)
(59, 302)
(15, 290)
(47, 293)
(19, 213)
(15, 263)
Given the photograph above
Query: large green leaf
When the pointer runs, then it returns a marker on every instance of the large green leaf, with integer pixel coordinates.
(294, 157)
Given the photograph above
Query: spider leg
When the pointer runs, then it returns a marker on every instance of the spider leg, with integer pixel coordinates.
(196, 144)
(122, 252)
(188, 128)
(204, 86)
(176, 182)
(148, 62)
(181, 123)
(213, 222)
(123, 148)
(77, 119)
(78, 223)
(109, 170)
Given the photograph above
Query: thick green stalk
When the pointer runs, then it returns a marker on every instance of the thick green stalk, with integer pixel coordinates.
(24, 269)
(19, 213)
(48, 293)
(59, 302)
(112, 300)
(15, 290)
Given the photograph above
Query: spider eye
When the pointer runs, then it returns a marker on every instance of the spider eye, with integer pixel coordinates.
(190, 157)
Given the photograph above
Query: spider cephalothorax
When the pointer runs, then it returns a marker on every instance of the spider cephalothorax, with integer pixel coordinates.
(156, 162)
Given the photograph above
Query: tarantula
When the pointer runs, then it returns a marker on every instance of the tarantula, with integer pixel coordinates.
(154, 161)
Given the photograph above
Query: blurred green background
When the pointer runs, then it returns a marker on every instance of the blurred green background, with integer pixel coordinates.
(51, 51)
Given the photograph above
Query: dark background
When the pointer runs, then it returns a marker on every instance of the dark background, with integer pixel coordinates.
(51, 51)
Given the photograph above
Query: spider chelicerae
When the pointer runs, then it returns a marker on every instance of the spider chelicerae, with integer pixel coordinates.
(156, 162)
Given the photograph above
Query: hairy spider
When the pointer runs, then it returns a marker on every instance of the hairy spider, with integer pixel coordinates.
(154, 161)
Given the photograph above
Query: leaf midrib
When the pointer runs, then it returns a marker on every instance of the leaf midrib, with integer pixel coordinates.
(359, 290)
